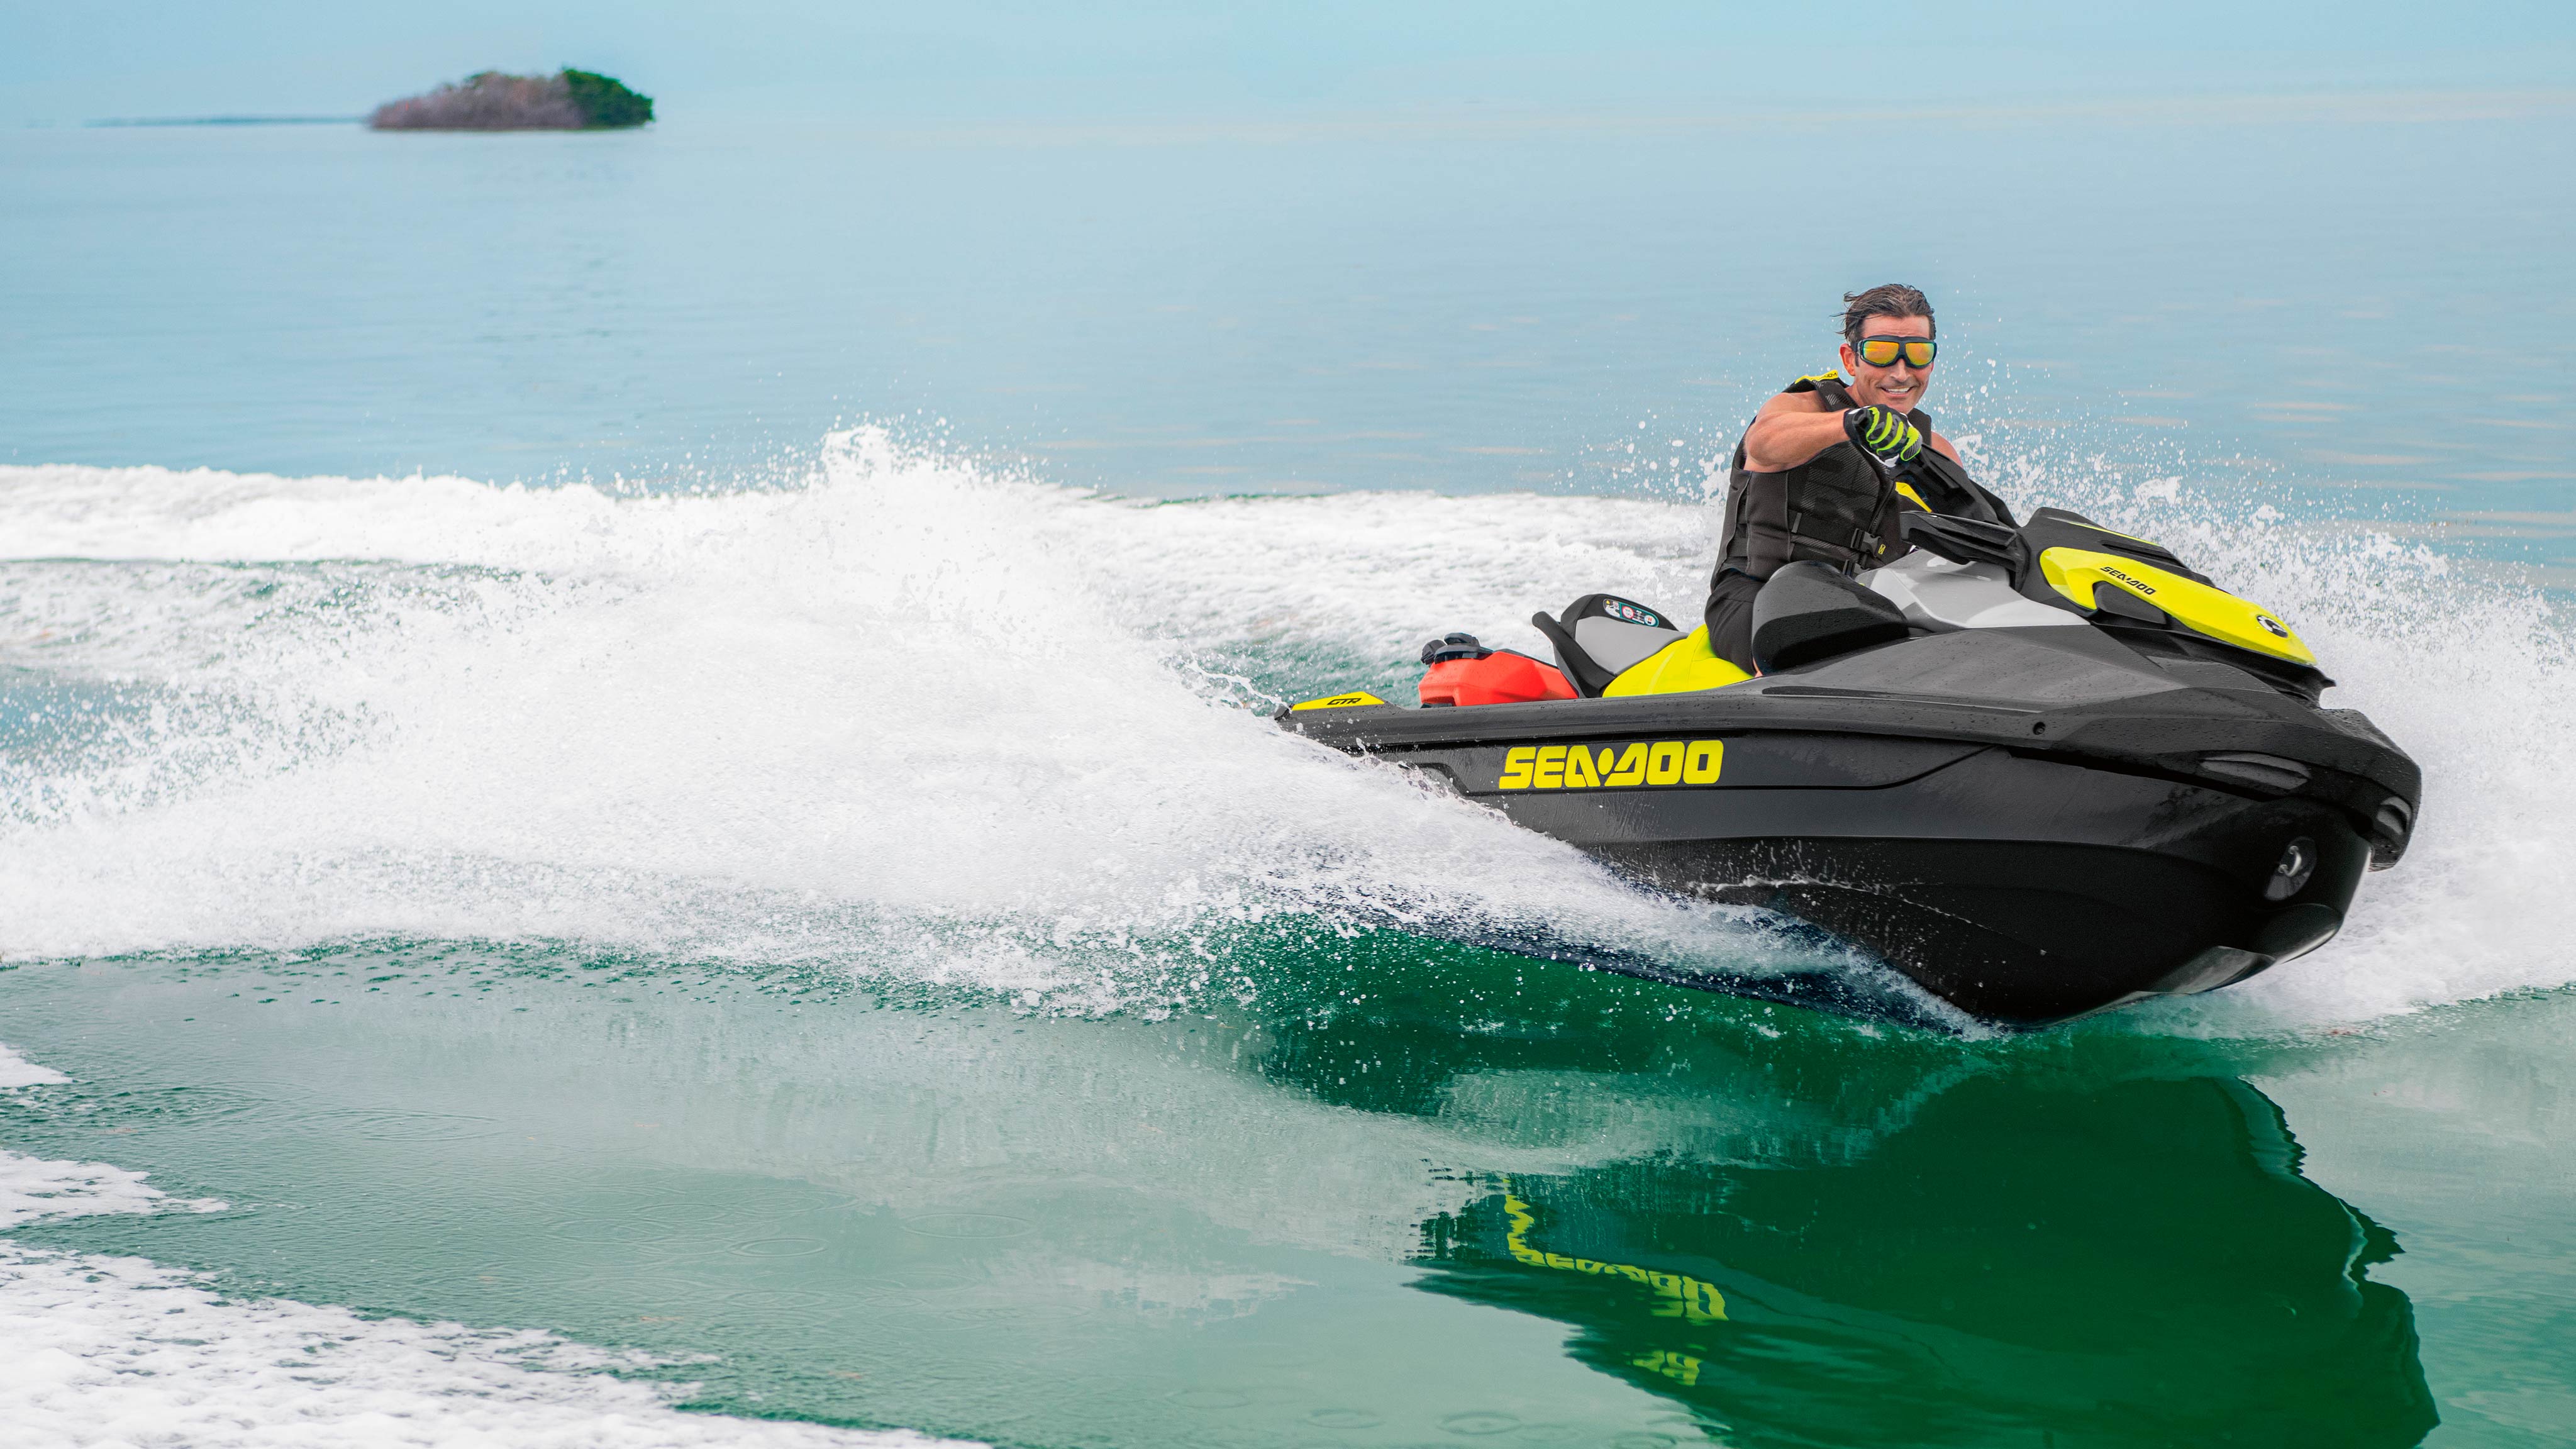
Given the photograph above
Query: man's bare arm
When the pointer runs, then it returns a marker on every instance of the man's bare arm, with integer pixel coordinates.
(1793, 427)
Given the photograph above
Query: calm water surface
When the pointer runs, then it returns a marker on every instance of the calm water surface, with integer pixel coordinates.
(2361, 297)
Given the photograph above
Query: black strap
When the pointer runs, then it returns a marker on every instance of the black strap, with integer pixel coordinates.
(1581, 670)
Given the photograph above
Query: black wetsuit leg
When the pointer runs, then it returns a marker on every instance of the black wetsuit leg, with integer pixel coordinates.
(1730, 618)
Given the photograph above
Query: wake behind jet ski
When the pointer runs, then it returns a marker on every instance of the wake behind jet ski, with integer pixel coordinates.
(2042, 769)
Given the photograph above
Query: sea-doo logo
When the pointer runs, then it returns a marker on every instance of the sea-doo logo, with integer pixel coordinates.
(1622, 609)
(1584, 767)
(2141, 585)
(2272, 624)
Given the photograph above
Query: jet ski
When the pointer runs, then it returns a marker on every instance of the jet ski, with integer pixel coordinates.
(2043, 769)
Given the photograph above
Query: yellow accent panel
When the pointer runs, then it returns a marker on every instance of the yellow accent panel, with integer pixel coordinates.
(1339, 701)
(2196, 606)
(1906, 492)
(1828, 375)
(1681, 667)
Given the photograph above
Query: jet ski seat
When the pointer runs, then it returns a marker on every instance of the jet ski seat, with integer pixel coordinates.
(1601, 636)
(1809, 611)
(1607, 646)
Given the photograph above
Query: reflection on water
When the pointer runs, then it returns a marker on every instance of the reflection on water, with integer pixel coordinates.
(2139, 1263)
(1288, 1223)
(1976, 1257)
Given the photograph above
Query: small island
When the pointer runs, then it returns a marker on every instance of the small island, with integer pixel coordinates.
(568, 100)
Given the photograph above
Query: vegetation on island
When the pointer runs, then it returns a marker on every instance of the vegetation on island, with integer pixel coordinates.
(605, 101)
(568, 100)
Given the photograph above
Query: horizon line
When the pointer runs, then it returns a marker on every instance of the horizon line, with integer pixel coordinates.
(219, 121)
(1462, 118)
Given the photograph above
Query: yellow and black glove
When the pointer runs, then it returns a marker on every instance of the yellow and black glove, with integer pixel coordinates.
(1884, 432)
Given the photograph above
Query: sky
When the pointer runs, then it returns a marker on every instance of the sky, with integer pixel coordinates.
(969, 63)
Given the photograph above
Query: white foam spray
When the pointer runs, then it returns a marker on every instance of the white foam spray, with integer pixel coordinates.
(910, 717)
(917, 717)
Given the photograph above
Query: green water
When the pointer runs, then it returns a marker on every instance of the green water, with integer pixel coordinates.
(1414, 1193)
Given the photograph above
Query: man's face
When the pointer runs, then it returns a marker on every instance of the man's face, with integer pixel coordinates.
(1896, 385)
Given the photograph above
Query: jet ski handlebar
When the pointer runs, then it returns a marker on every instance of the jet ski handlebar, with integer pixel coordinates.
(1967, 540)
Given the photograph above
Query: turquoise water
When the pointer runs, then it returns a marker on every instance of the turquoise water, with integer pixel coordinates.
(784, 926)
(2358, 297)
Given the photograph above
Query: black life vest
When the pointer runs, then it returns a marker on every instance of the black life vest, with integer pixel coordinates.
(1837, 507)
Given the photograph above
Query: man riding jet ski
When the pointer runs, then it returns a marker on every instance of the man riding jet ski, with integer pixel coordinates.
(2041, 768)
(1812, 478)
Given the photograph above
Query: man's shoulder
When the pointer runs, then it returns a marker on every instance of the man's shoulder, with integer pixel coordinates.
(1806, 395)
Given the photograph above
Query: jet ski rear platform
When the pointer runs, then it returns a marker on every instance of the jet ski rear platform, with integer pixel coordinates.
(2032, 821)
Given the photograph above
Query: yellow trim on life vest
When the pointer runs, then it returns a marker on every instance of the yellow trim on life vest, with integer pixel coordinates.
(1352, 700)
(1906, 492)
(1681, 667)
(2196, 606)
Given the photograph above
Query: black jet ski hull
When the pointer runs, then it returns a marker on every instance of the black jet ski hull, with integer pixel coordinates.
(2021, 890)
(2098, 834)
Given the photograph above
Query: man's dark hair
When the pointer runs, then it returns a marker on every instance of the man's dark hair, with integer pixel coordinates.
(1893, 299)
